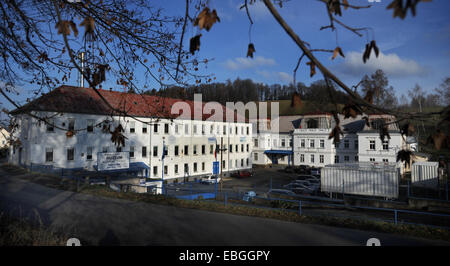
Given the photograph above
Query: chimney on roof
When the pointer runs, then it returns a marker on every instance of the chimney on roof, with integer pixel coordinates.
(80, 76)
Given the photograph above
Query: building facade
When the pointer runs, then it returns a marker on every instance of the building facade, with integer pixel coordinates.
(359, 142)
(273, 146)
(190, 144)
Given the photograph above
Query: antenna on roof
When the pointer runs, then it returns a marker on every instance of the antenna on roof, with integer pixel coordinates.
(80, 76)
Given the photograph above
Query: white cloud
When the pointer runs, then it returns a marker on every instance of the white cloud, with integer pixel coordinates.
(278, 77)
(285, 77)
(245, 62)
(391, 64)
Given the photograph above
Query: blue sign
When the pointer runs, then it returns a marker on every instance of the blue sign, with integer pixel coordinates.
(215, 168)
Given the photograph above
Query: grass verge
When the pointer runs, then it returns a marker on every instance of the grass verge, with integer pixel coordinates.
(24, 232)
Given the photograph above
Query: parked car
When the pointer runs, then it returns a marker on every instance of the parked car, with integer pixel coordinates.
(304, 177)
(288, 169)
(248, 196)
(282, 191)
(315, 171)
(210, 180)
(242, 174)
(305, 189)
(302, 169)
(291, 185)
(313, 181)
(303, 182)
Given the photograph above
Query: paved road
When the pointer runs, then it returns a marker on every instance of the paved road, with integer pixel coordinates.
(103, 221)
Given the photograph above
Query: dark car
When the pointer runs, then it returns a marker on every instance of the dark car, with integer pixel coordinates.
(288, 169)
(242, 174)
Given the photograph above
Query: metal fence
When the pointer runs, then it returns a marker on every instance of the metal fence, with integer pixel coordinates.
(306, 205)
(331, 209)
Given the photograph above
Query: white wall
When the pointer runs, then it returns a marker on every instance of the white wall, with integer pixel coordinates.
(271, 141)
(35, 139)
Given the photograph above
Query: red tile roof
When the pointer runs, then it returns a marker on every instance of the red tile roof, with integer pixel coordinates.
(70, 99)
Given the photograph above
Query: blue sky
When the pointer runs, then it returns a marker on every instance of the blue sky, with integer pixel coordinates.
(413, 50)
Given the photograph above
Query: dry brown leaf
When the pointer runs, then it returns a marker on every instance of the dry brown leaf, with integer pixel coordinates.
(369, 96)
(89, 25)
(296, 101)
(312, 68)
(63, 27)
(70, 133)
(194, 44)
(351, 110)
(250, 50)
(404, 156)
(206, 19)
(345, 4)
(337, 51)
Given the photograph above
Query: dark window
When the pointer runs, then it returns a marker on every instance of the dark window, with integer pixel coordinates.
(203, 149)
(166, 128)
(186, 149)
(312, 123)
(155, 128)
(90, 126)
(176, 150)
(49, 155)
(71, 125)
(372, 145)
(155, 151)
(144, 129)
(132, 127)
(50, 127)
(89, 153)
(386, 145)
(144, 151)
(70, 154)
(118, 149)
(131, 152)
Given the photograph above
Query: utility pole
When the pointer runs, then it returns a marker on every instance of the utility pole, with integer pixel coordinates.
(221, 149)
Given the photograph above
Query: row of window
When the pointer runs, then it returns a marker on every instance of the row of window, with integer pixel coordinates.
(176, 151)
(283, 143)
(346, 158)
(176, 128)
(312, 144)
(195, 168)
(372, 145)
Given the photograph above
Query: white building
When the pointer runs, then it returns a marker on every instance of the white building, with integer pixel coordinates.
(360, 143)
(273, 146)
(372, 149)
(190, 143)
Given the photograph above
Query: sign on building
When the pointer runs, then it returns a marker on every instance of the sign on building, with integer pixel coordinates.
(113, 161)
